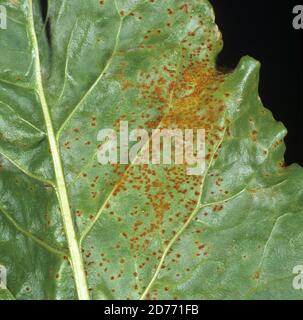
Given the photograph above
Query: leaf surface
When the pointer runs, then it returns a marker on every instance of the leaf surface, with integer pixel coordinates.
(72, 228)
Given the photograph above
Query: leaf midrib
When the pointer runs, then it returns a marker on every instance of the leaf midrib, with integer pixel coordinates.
(60, 187)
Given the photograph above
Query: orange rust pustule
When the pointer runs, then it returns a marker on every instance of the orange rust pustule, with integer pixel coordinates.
(193, 104)
(187, 101)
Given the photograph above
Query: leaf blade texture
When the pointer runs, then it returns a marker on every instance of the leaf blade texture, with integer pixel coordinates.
(71, 228)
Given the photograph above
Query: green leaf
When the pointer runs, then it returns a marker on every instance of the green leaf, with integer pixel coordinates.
(72, 228)
(6, 295)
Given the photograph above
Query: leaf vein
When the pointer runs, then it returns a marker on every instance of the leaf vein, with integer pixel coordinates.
(28, 234)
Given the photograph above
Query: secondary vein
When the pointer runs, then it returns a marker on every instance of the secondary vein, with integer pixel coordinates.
(28, 234)
(69, 117)
(184, 227)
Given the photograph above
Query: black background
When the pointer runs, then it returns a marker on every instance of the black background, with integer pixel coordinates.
(263, 29)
